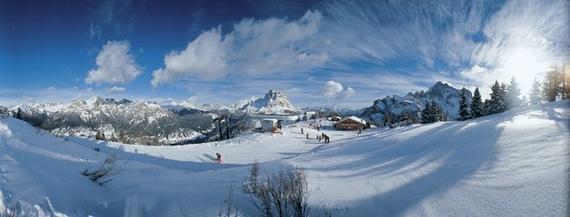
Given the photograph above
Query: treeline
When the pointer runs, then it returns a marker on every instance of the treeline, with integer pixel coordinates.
(505, 96)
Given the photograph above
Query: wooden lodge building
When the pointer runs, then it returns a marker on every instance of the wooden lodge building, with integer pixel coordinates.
(351, 123)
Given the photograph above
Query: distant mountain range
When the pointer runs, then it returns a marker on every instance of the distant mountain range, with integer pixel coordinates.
(409, 107)
(124, 120)
(272, 103)
(171, 122)
(146, 122)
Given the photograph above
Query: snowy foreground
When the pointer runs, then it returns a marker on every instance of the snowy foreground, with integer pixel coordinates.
(510, 164)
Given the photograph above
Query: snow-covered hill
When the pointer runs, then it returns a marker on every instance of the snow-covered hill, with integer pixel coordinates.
(409, 107)
(509, 164)
(124, 120)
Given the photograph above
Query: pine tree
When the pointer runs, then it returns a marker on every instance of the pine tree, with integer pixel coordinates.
(438, 113)
(487, 107)
(463, 107)
(565, 80)
(535, 97)
(388, 118)
(432, 113)
(513, 95)
(551, 87)
(496, 103)
(19, 113)
(477, 109)
(427, 114)
(503, 94)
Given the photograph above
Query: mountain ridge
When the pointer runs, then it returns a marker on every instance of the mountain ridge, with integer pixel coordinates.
(407, 108)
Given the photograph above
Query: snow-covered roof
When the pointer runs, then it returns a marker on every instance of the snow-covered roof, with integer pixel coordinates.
(270, 120)
(353, 118)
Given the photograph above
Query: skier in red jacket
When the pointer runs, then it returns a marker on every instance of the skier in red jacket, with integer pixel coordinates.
(219, 158)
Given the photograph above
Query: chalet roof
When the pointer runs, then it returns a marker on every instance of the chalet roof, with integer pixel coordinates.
(270, 120)
(353, 118)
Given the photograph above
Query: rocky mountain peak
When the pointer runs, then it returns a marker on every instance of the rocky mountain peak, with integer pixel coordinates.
(409, 107)
(273, 102)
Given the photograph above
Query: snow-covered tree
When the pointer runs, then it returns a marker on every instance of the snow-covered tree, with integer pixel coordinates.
(513, 95)
(432, 113)
(463, 107)
(503, 94)
(565, 81)
(477, 109)
(427, 114)
(388, 119)
(552, 85)
(534, 96)
(497, 101)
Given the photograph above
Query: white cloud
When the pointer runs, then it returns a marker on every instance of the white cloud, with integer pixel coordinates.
(253, 47)
(115, 90)
(348, 92)
(115, 65)
(205, 58)
(476, 72)
(333, 89)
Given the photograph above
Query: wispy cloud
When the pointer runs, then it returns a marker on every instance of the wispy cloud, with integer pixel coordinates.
(116, 90)
(477, 42)
(12, 97)
(114, 18)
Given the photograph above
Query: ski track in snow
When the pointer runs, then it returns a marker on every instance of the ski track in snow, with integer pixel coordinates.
(509, 164)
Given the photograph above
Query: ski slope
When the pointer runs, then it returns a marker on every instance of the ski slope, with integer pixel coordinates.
(511, 164)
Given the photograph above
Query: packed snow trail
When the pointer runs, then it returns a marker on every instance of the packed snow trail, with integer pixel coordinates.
(509, 164)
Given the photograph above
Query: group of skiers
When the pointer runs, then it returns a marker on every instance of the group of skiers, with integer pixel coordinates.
(321, 137)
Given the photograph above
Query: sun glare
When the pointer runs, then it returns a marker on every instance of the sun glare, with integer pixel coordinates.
(525, 64)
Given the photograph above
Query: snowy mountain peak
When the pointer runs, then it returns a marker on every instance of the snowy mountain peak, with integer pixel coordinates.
(441, 89)
(272, 103)
(275, 102)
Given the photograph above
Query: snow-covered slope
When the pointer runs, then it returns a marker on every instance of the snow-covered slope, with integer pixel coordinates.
(509, 164)
(411, 105)
(124, 120)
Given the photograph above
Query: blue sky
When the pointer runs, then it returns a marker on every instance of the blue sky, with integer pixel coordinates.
(318, 52)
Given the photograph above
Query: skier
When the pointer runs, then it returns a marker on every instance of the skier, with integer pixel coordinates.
(307, 135)
(302, 130)
(219, 158)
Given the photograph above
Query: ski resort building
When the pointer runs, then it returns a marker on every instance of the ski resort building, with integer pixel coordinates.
(350, 123)
(269, 125)
(311, 115)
